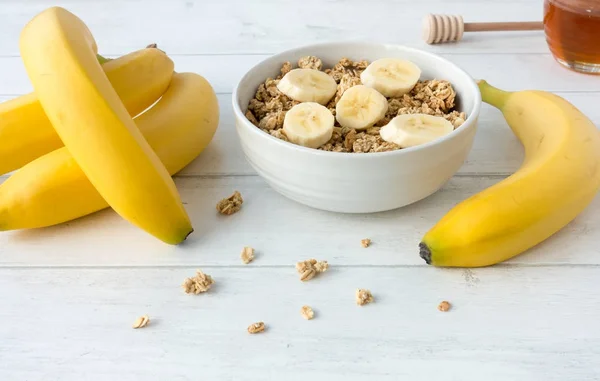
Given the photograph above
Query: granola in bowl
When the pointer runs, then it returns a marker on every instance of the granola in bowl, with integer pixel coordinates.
(431, 97)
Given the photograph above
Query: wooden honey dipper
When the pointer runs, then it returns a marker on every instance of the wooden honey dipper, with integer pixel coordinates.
(445, 28)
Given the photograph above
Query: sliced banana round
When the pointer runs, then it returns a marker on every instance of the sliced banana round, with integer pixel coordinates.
(360, 107)
(414, 129)
(308, 124)
(392, 77)
(308, 85)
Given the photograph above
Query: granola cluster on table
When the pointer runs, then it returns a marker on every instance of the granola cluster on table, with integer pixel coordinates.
(433, 97)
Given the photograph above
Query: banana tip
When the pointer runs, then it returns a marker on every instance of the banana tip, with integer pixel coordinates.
(181, 241)
(425, 252)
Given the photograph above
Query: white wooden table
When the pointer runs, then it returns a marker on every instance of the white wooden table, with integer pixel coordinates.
(69, 294)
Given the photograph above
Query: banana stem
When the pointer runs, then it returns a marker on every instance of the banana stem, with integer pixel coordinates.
(425, 252)
(492, 95)
(102, 60)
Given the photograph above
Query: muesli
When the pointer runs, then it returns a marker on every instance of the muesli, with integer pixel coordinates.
(354, 106)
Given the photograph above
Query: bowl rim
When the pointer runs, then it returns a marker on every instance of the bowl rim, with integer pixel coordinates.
(468, 124)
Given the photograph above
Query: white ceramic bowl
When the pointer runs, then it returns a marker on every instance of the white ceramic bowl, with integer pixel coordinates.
(352, 182)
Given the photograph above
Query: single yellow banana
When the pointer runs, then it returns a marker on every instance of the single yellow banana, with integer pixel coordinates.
(59, 56)
(557, 180)
(140, 78)
(53, 189)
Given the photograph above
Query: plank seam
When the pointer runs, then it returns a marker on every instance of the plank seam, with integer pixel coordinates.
(210, 54)
(484, 175)
(229, 93)
(250, 268)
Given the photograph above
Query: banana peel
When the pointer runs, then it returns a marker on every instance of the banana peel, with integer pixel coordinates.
(558, 179)
(139, 78)
(60, 57)
(53, 189)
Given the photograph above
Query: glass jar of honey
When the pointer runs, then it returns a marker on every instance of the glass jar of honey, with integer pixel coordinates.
(572, 29)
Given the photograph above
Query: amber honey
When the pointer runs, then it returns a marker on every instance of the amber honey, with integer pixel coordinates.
(572, 30)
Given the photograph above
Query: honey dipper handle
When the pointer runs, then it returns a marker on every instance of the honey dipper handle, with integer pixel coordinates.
(445, 28)
(503, 26)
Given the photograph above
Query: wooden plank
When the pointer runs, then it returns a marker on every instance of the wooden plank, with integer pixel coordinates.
(533, 323)
(71, 292)
(507, 71)
(282, 231)
(496, 151)
(217, 26)
(511, 72)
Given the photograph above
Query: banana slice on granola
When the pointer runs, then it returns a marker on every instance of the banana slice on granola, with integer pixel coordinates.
(392, 77)
(308, 85)
(414, 129)
(360, 107)
(308, 124)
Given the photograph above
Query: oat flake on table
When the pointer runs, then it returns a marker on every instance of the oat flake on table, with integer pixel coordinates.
(141, 322)
(363, 297)
(307, 312)
(231, 204)
(444, 306)
(256, 327)
(247, 255)
(310, 268)
(197, 284)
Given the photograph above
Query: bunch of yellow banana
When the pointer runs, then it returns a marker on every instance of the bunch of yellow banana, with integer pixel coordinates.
(558, 179)
(97, 133)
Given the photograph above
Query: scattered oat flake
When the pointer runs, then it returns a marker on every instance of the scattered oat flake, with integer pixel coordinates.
(310, 268)
(285, 68)
(365, 242)
(307, 312)
(198, 283)
(256, 327)
(310, 62)
(230, 205)
(363, 297)
(141, 322)
(308, 274)
(247, 255)
(444, 306)
(321, 266)
(304, 265)
(251, 118)
(279, 134)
